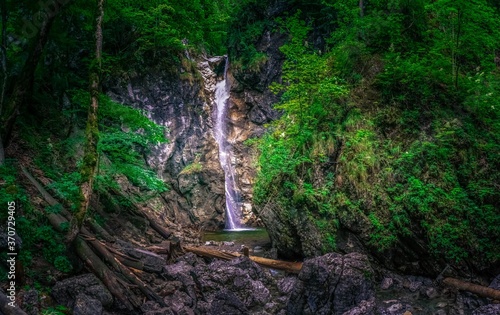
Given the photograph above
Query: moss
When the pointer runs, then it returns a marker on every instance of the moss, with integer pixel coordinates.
(195, 167)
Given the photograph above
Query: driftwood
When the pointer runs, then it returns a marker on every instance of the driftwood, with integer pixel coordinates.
(99, 268)
(292, 267)
(158, 228)
(99, 230)
(474, 288)
(118, 266)
(118, 287)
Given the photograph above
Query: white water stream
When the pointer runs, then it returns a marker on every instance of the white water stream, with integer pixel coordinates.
(232, 203)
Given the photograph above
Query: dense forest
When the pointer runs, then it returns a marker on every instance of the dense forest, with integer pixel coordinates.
(381, 133)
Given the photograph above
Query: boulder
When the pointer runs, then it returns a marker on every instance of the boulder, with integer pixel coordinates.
(332, 284)
(492, 309)
(227, 303)
(66, 292)
(85, 305)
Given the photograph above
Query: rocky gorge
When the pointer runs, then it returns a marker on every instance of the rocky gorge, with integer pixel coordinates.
(349, 149)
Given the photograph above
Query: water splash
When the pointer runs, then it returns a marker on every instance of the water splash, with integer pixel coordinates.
(232, 198)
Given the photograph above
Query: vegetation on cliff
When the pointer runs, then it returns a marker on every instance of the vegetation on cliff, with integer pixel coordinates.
(392, 120)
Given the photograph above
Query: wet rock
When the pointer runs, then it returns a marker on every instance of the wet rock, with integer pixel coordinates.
(386, 283)
(431, 293)
(65, 292)
(492, 309)
(363, 308)
(30, 302)
(227, 303)
(181, 303)
(152, 308)
(85, 305)
(286, 285)
(332, 284)
(495, 284)
(415, 286)
(469, 301)
(191, 259)
(394, 308)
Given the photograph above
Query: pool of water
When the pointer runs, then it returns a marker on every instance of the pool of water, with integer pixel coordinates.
(249, 237)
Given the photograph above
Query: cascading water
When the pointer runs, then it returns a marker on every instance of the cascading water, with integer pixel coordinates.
(221, 100)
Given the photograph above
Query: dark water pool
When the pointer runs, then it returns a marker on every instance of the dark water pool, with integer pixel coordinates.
(249, 237)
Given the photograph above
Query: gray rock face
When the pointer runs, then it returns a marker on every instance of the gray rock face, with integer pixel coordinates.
(66, 292)
(85, 305)
(332, 284)
(495, 284)
(492, 309)
(189, 163)
(183, 107)
(30, 302)
(222, 287)
(225, 302)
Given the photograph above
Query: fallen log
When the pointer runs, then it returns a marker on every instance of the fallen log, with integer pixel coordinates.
(124, 271)
(473, 288)
(100, 231)
(119, 288)
(291, 267)
(158, 228)
(102, 271)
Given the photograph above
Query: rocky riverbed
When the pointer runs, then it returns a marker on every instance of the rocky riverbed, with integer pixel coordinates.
(330, 284)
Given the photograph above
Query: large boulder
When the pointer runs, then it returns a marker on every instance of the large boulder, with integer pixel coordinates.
(85, 294)
(492, 309)
(332, 284)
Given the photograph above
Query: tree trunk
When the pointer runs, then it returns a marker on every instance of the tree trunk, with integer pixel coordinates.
(474, 288)
(90, 158)
(116, 286)
(3, 51)
(24, 84)
(105, 274)
(292, 267)
(2, 153)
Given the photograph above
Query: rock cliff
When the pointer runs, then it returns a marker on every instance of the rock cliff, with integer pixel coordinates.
(189, 162)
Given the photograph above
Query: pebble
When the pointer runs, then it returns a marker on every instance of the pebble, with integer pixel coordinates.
(386, 283)
(441, 305)
(414, 286)
(431, 293)
(395, 307)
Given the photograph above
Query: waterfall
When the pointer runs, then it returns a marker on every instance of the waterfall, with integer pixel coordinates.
(232, 202)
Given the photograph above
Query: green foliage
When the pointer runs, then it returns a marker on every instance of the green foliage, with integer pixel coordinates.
(192, 168)
(313, 110)
(247, 24)
(415, 144)
(57, 310)
(126, 136)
